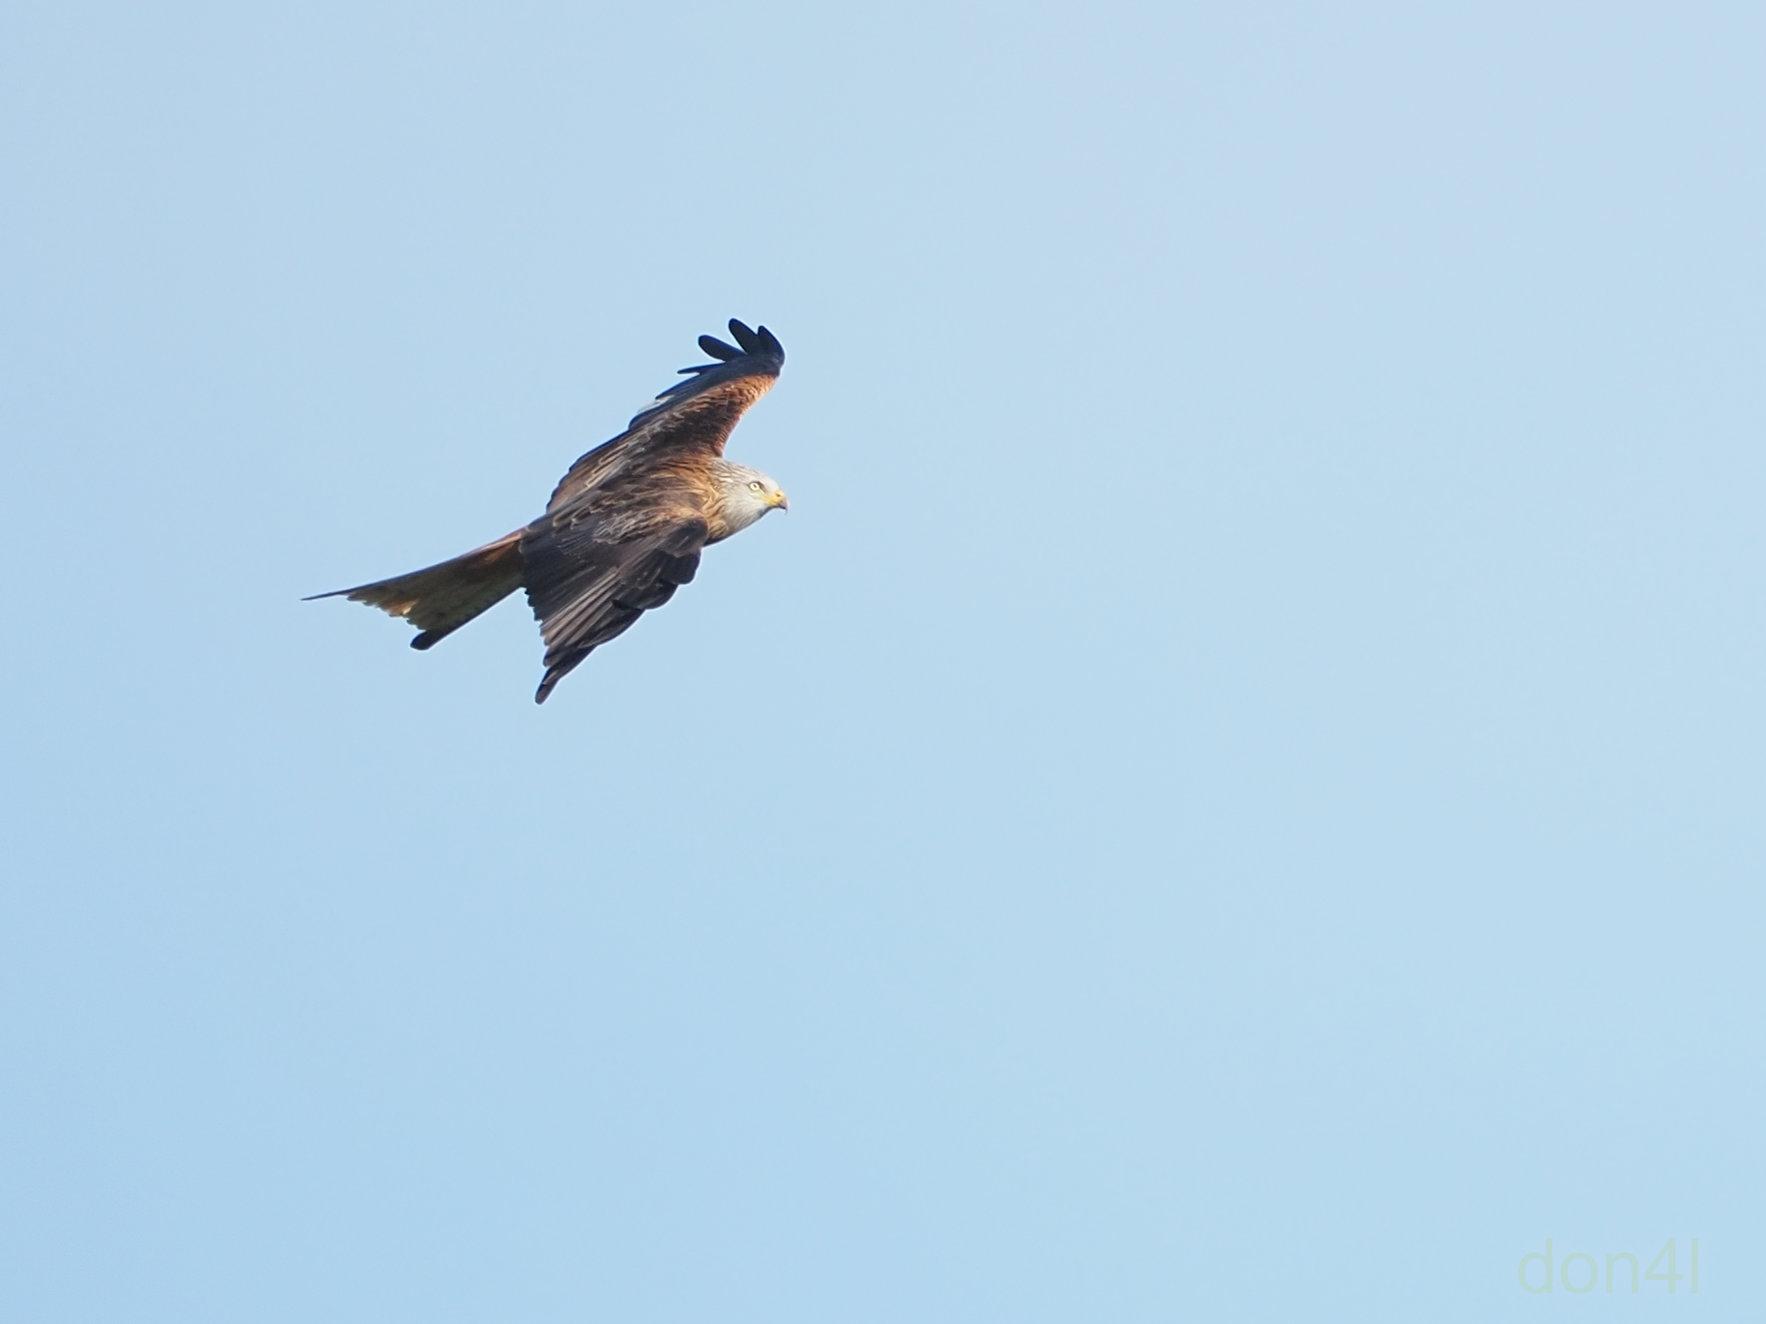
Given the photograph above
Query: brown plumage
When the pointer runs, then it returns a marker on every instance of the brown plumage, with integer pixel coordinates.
(624, 527)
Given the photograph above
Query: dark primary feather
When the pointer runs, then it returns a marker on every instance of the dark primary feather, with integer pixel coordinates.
(693, 416)
(761, 343)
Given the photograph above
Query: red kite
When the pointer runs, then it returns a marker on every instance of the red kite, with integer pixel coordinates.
(624, 527)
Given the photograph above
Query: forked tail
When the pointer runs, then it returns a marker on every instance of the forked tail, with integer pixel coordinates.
(439, 599)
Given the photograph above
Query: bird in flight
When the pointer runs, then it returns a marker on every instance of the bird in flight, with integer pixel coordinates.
(625, 525)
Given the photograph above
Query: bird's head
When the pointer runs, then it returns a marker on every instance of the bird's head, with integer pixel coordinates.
(748, 494)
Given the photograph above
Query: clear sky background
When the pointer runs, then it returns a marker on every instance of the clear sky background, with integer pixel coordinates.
(1235, 792)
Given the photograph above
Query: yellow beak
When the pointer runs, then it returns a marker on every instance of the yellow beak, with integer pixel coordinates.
(778, 499)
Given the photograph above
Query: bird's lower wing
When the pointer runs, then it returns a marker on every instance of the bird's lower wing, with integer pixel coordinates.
(586, 587)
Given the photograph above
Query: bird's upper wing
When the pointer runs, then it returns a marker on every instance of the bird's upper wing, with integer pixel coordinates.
(694, 415)
(597, 564)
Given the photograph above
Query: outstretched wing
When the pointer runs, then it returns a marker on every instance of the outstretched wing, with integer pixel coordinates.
(593, 568)
(692, 416)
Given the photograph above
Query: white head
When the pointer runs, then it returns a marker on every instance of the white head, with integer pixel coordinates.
(747, 495)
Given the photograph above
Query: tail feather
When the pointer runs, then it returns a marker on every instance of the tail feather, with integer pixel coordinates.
(439, 599)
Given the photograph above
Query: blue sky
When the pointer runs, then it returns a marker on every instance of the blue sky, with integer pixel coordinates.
(1233, 794)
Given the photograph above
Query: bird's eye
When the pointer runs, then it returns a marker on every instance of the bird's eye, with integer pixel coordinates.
(754, 485)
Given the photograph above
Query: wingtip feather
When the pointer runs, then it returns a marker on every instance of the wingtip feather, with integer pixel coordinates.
(744, 336)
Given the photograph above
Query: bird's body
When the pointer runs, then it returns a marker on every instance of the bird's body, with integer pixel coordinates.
(624, 527)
